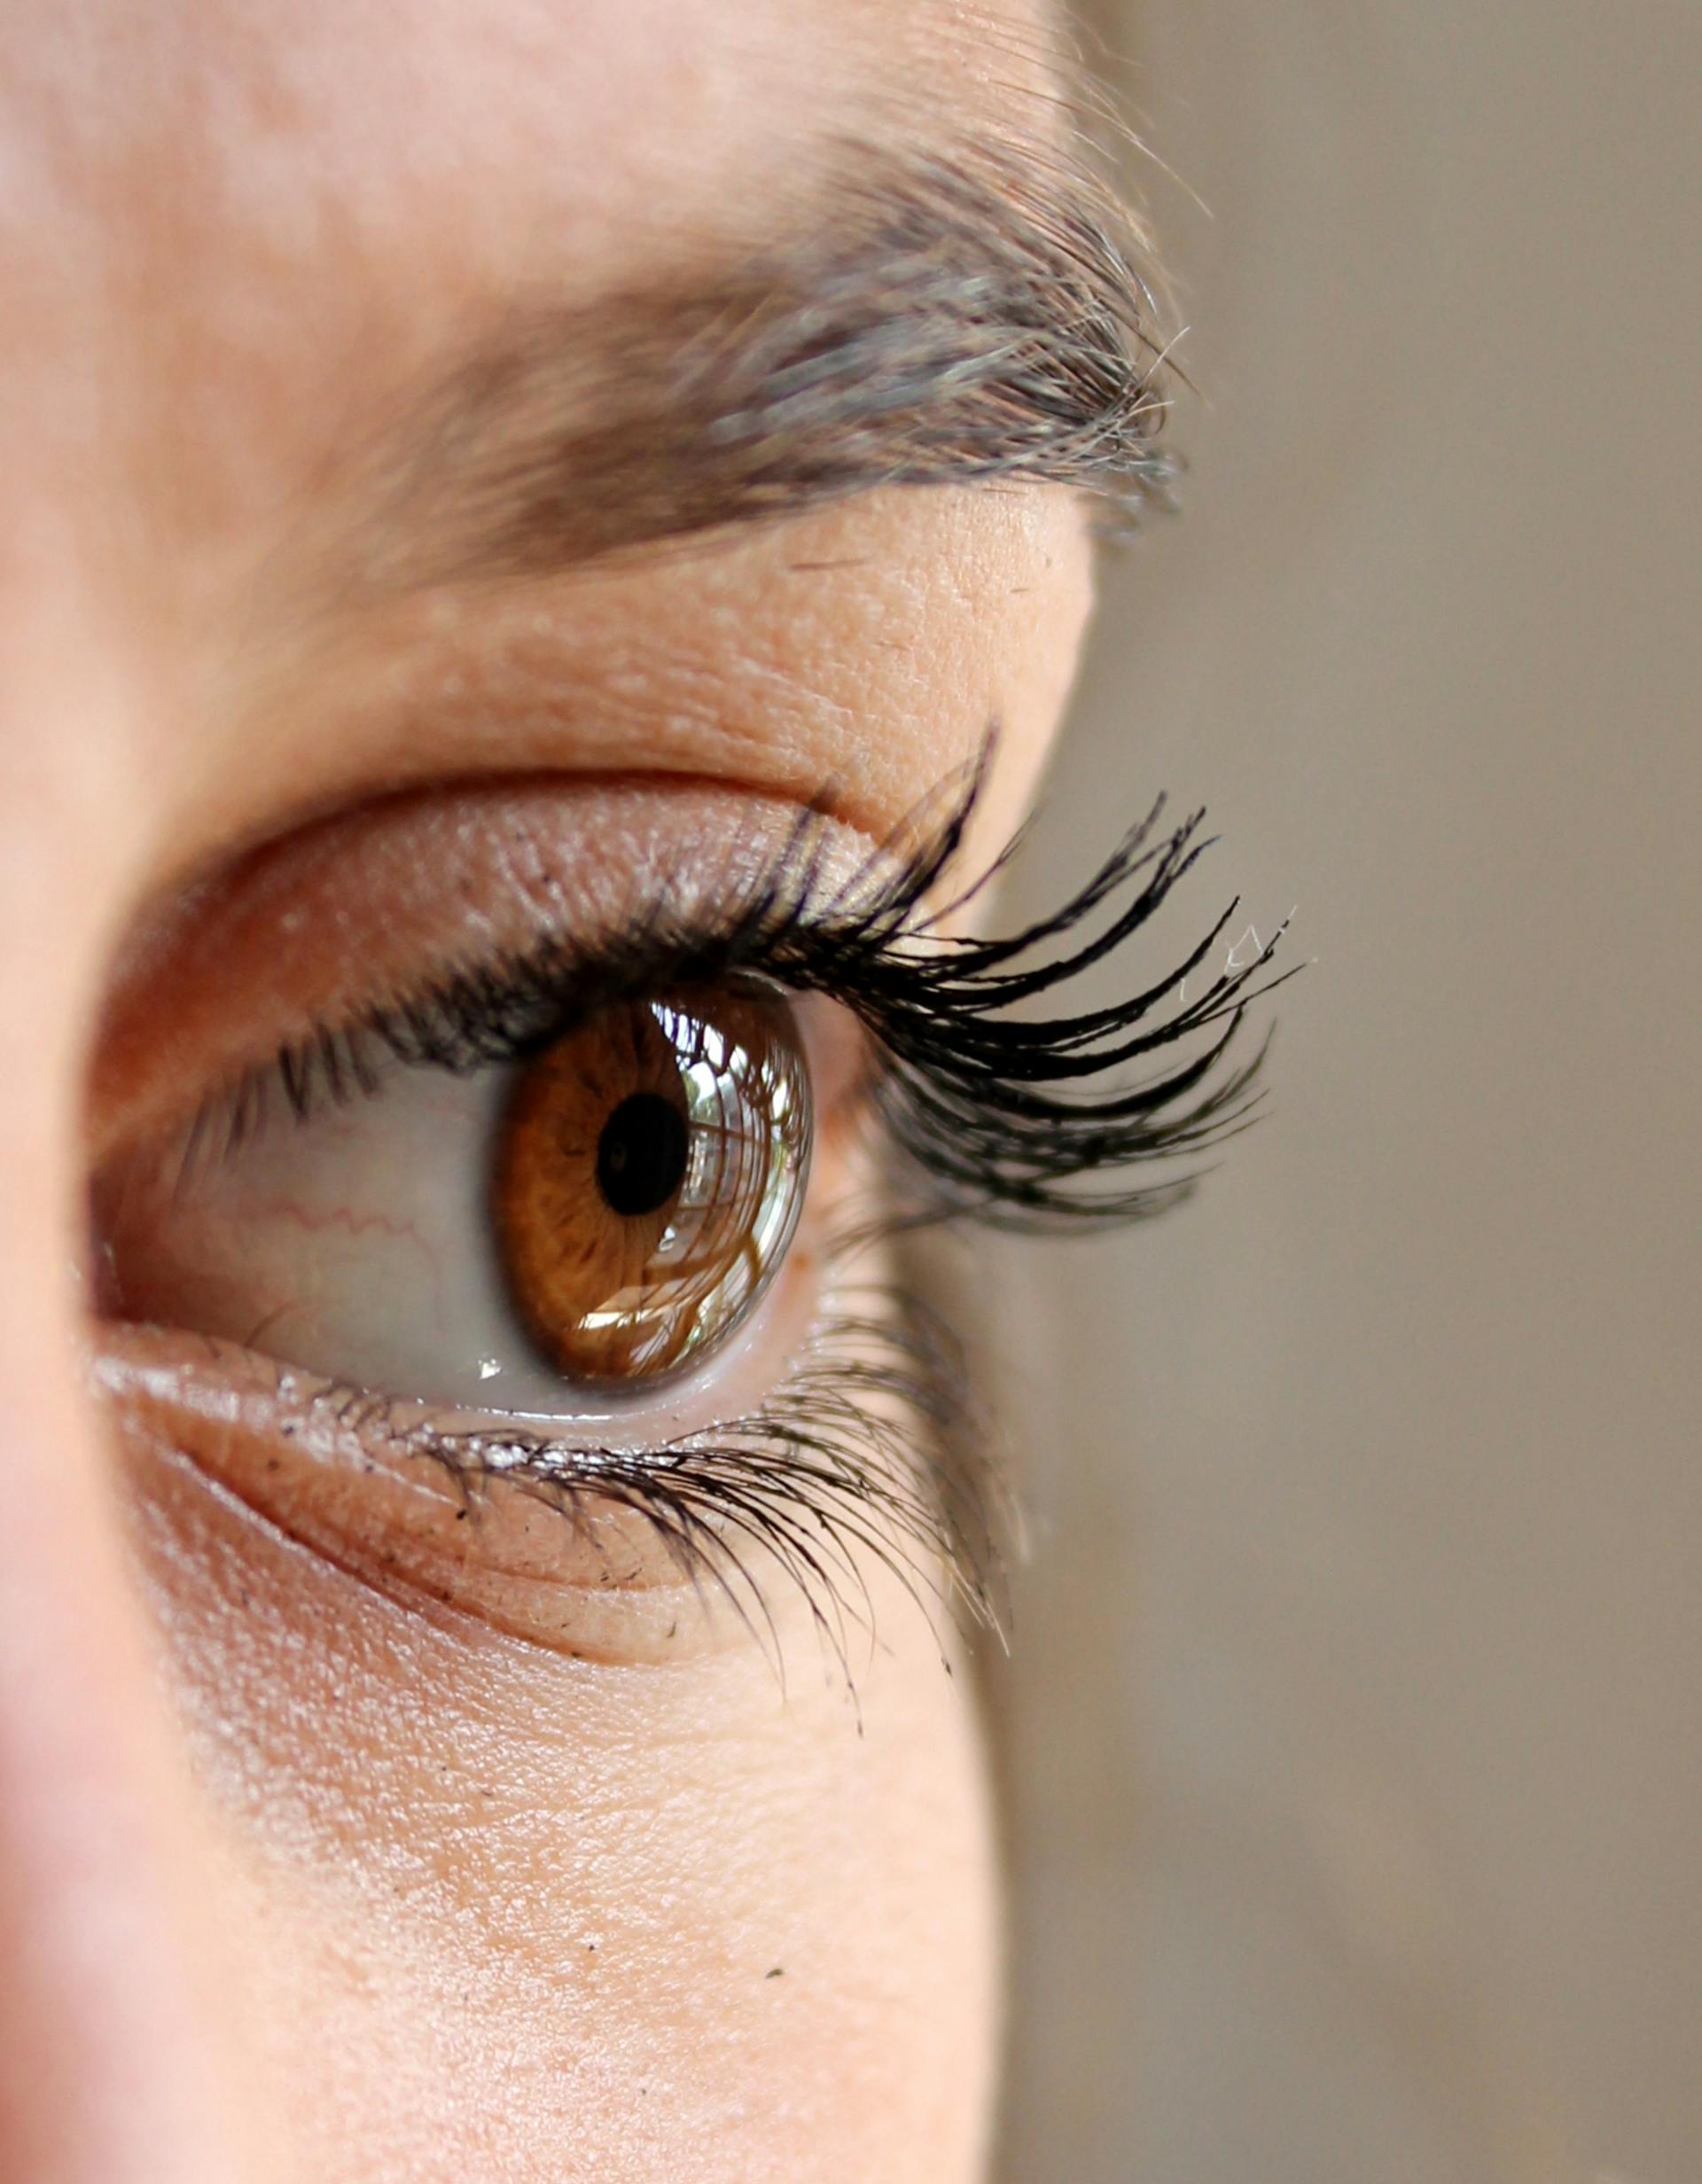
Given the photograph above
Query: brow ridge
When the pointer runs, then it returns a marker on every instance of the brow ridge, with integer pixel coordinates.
(967, 317)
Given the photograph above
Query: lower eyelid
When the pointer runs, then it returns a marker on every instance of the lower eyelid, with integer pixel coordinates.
(571, 1570)
(866, 1468)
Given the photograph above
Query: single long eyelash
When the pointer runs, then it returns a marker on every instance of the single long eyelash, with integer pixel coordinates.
(992, 1105)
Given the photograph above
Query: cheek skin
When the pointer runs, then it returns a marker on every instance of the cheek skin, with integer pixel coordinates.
(672, 1922)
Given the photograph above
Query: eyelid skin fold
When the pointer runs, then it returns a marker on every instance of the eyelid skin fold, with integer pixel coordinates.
(364, 908)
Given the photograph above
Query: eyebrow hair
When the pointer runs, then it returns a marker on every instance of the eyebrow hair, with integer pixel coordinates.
(950, 318)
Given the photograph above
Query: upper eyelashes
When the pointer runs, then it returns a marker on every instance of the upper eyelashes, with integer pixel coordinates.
(998, 1111)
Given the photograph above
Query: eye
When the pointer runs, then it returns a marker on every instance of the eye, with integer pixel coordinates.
(588, 1223)
(572, 1187)
(649, 1172)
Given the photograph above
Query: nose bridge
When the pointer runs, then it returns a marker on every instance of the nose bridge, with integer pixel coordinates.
(110, 2068)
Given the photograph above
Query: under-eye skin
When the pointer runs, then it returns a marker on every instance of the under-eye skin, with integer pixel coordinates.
(558, 1279)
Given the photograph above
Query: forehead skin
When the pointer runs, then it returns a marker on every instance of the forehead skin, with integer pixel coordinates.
(243, 234)
(420, 1910)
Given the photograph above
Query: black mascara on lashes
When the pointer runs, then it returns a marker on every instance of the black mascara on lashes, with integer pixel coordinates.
(996, 1112)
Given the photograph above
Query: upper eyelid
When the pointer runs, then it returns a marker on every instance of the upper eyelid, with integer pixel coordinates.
(990, 1108)
(496, 1012)
(991, 1104)
(560, 978)
(212, 984)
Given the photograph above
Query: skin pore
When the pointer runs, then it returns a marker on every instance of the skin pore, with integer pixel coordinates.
(304, 1875)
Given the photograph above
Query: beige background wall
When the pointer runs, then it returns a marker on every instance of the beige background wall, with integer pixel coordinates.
(1357, 1711)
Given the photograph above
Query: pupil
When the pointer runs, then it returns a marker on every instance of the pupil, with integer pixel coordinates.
(641, 1154)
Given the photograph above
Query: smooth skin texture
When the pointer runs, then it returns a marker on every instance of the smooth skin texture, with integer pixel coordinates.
(297, 1878)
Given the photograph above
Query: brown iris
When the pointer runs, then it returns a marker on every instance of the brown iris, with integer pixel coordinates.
(649, 1172)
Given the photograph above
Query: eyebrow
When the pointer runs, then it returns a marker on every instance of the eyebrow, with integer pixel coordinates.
(947, 319)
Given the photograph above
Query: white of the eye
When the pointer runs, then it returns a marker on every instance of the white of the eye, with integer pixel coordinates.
(358, 1244)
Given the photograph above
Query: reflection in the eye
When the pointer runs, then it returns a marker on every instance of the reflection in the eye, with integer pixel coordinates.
(648, 1180)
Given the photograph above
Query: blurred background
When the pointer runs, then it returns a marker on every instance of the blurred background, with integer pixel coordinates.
(1355, 1723)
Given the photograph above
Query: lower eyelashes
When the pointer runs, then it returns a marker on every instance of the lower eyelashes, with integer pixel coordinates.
(867, 1453)
(515, 1275)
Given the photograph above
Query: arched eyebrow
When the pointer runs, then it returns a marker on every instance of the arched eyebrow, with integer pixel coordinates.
(934, 320)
